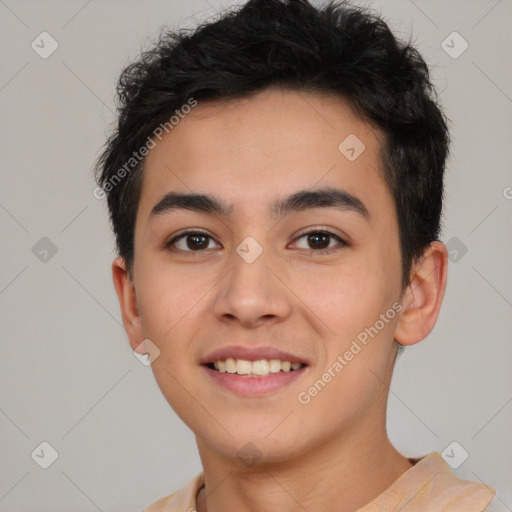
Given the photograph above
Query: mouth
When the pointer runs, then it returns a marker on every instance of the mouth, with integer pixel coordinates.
(253, 369)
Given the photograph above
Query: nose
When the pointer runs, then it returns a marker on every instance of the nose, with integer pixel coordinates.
(252, 294)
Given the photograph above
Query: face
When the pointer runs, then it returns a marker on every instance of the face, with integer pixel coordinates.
(264, 275)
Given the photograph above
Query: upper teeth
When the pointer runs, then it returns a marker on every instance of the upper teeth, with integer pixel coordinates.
(261, 367)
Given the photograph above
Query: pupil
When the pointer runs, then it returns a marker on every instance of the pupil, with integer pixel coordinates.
(321, 240)
(196, 244)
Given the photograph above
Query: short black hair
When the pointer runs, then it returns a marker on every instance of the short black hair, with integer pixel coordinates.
(334, 48)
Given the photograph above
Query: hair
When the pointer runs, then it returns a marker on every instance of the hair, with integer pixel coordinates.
(337, 49)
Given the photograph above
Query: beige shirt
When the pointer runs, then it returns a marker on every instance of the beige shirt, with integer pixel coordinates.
(428, 486)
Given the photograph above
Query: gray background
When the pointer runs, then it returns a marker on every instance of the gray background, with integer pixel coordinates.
(68, 376)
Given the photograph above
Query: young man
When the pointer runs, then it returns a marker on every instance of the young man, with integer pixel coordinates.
(275, 185)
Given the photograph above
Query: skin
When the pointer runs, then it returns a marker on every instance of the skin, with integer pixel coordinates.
(332, 454)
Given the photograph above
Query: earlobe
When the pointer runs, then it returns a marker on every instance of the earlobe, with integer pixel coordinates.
(424, 296)
(127, 301)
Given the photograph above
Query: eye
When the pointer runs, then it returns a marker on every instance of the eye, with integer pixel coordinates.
(319, 241)
(190, 241)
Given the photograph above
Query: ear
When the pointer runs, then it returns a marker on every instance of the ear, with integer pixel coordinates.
(423, 297)
(128, 302)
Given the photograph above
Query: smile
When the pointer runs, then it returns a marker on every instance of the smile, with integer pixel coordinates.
(259, 368)
(248, 383)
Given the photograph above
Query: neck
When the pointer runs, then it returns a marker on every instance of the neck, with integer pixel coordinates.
(342, 475)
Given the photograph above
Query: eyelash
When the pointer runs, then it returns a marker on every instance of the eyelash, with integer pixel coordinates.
(328, 250)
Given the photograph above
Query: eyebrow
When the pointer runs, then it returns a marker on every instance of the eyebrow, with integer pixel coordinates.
(327, 197)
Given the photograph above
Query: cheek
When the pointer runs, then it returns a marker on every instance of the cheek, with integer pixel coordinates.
(166, 298)
(170, 308)
(347, 298)
(350, 301)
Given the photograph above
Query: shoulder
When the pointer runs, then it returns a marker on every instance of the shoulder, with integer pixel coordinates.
(182, 500)
(432, 485)
(451, 492)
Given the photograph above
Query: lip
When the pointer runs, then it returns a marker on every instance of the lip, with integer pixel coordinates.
(254, 386)
(251, 354)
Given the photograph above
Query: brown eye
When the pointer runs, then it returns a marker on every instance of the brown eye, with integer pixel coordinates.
(191, 241)
(321, 241)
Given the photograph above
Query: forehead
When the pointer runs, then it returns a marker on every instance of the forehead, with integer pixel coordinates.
(254, 150)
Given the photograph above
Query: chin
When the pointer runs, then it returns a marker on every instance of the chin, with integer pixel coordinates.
(252, 448)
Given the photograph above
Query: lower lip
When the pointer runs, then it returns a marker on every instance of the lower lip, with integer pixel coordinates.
(254, 386)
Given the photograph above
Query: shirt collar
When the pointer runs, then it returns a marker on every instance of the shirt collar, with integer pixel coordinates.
(428, 485)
